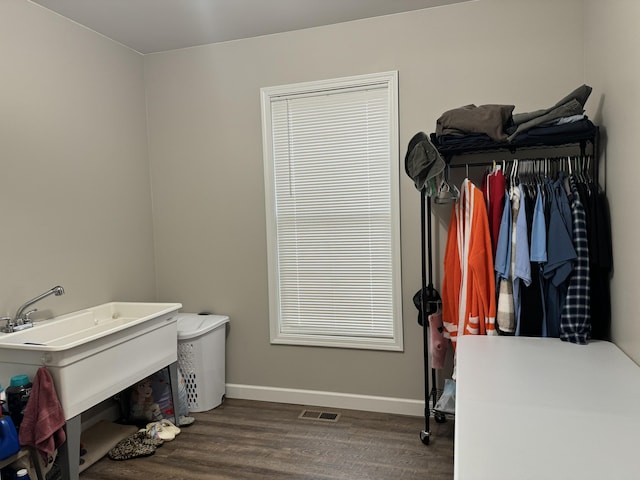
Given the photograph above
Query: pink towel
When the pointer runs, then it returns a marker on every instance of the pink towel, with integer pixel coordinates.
(43, 421)
(438, 342)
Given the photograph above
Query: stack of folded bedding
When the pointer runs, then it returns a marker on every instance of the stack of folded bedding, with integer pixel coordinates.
(490, 126)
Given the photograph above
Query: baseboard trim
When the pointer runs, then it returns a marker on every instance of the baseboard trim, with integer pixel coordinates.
(349, 401)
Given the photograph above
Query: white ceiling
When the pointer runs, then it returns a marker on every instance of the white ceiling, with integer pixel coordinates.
(149, 26)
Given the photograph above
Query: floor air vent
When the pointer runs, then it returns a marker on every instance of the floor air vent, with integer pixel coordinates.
(319, 415)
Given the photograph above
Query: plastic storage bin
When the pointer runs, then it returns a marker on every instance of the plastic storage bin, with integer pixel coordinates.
(201, 348)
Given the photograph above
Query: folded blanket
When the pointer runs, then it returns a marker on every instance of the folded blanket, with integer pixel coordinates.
(43, 421)
(543, 134)
(572, 104)
(553, 134)
(488, 119)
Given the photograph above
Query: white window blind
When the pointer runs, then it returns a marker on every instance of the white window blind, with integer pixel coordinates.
(331, 167)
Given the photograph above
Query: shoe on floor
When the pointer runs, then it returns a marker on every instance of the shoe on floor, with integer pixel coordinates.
(130, 448)
(142, 436)
(184, 421)
(157, 430)
(168, 425)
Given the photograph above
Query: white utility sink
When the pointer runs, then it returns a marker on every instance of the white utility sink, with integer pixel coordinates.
(94, 353)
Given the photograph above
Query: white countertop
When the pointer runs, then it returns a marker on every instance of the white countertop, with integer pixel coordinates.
(542, 409)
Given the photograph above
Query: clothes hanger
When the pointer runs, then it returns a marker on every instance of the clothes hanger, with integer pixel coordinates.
(532, 179)
(569, 164)
(575, 168)
(541, 170)
(546, 167)
(514, 173)
(587, 169)
(584, 169)
(447, 192)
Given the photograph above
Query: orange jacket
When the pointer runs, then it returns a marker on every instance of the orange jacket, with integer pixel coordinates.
(468, 287)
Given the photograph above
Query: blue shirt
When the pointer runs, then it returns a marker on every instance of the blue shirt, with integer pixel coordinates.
(539, 232)
(560, 258)
(522, 271)
(502, 264)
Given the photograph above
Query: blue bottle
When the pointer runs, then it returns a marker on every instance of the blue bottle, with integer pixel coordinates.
(9, 444)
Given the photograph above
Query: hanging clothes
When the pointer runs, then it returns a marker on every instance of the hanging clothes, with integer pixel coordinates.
(600, 258)
(575, 321)
(539, 252)
(539, 230)
(561, 255)
(504, 266)
(601, 265)
(493, 189)
(522, 272)
(468, 287)
(532, 306)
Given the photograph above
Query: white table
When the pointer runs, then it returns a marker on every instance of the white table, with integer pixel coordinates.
(541, 409)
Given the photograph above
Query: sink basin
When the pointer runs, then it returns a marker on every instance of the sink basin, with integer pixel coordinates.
(94, 353)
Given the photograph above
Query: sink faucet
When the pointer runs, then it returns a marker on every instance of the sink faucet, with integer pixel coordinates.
(21, 319)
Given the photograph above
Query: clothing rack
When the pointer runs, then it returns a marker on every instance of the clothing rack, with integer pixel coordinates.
(429, 302)
(428, 293)
(590, 137)
(538, 166)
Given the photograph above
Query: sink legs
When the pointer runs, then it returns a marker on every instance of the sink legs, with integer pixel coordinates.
(69, 452)
(174, 384)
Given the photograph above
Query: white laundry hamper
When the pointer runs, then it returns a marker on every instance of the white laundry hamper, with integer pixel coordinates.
(201, 358)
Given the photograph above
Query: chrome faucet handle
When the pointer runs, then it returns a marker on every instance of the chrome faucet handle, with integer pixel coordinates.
(8, 326)
(27, 316)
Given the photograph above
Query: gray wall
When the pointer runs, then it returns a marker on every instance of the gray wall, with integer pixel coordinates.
(74, 182)
(613, 69)
(76, 201)
(206, 159)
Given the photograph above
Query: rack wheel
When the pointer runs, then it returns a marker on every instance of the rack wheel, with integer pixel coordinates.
(439, 417)
(424, 437)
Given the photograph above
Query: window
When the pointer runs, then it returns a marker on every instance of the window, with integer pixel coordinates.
(332, 195)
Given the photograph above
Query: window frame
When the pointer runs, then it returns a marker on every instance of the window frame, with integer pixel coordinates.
(389, 81)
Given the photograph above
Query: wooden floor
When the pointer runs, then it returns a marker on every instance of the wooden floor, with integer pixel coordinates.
(251, 440)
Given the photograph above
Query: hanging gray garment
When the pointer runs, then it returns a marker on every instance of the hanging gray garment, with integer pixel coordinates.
(423, 162)
(572, 104)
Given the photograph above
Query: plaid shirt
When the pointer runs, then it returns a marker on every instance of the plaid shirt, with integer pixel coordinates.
(575, 321)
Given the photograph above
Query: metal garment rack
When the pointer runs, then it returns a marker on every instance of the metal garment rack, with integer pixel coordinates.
(428, 298)
(592, 136)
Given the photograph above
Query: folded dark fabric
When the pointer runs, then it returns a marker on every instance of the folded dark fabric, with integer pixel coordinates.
(470, 140)
(556, 134)
(572, 104)
(488, 119)
(548, 134)
(422, 161)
